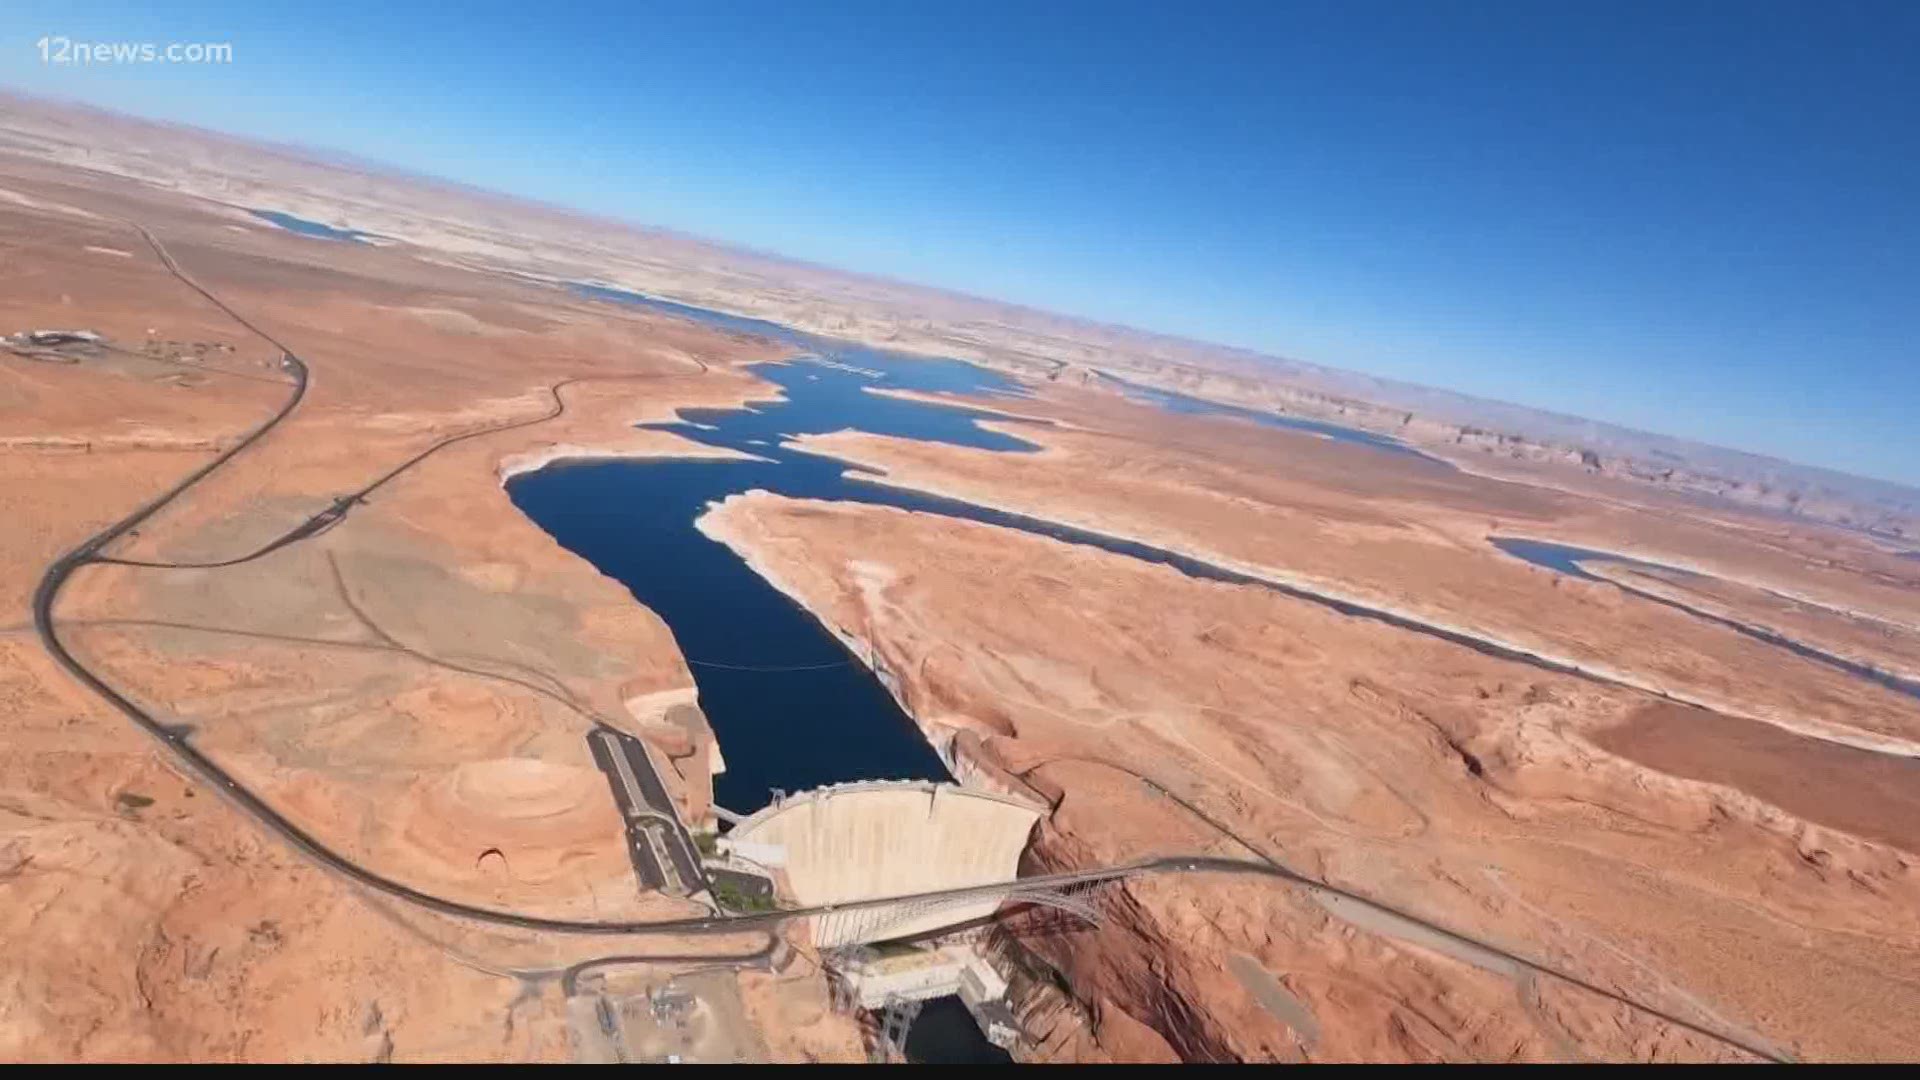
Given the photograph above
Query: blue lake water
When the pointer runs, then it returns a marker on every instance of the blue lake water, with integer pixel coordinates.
(791, 709)
(310, 228)
(944, 1034)
(717, 320)
(1567, 559)
(1185, 404)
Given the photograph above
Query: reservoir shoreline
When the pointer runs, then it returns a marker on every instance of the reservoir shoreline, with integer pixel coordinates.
(771, 444)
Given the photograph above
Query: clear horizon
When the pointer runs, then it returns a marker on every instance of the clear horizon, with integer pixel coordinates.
(1672, 219)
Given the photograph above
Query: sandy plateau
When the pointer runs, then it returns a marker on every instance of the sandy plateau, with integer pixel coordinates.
(1679, 812)
(1486, 795)
(413, 686)
(1745, 865)
(1412, 538)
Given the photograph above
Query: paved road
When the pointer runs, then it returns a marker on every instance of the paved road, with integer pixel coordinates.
(177, 741)
(663, 851)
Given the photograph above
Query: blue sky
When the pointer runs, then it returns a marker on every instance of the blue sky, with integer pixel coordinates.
(1696, 218)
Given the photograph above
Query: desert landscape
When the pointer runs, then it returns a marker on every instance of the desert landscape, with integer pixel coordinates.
(1533, 747)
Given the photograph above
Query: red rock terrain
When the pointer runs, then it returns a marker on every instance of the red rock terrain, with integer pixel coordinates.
(412, 687)
(413, 684)
(1537, 811)
(1415, 539)
(463, 227)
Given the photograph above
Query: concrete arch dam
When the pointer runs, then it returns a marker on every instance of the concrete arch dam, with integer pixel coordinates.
(889, 838)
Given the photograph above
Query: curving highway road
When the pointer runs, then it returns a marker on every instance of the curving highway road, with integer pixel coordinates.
(47, 593)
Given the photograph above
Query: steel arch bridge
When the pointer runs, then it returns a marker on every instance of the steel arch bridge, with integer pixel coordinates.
(838, 929)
